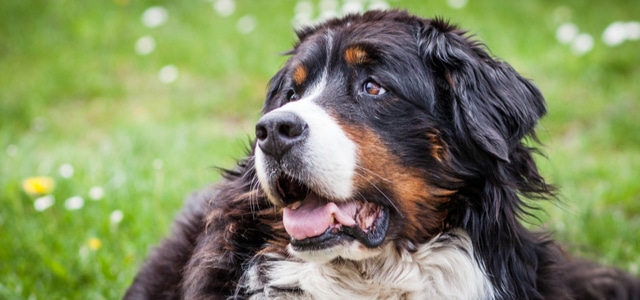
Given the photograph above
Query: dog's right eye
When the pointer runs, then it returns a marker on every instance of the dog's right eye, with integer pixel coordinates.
(373, 88)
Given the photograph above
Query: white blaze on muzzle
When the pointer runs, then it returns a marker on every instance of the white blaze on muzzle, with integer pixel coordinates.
(325, 160)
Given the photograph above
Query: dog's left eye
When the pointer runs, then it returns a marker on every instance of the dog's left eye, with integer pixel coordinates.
(292, 96)
(373, 88)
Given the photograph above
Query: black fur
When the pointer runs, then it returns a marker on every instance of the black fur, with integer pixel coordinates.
(478, 109)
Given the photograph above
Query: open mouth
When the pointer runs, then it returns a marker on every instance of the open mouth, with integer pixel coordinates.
(315, 223)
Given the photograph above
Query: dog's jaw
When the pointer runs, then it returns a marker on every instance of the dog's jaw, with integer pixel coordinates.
(443, 268)
(353, 250)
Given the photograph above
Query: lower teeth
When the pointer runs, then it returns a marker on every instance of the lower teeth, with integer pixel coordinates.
(296, 205)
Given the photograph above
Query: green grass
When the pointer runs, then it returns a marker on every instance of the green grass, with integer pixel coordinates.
(72, 90)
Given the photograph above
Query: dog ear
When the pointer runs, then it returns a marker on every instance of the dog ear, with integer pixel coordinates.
(492, 103)
(272, 100)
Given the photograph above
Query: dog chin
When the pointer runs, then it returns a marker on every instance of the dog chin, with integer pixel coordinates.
(353, 250)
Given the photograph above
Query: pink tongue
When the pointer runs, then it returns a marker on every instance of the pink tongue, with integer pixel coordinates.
(314, 216)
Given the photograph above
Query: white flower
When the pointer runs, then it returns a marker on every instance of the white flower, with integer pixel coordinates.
(324, 5)
(224, 8)
(305, 7)
(633, 30)
(582, 44)
(96, 193)
(74, 203)
(382, 5)
(116, 217)
(155, 16)
(168, 74)
(618, 32)
(614, 34)
(246, 24)
(566, 33)
(44, 202)
(352, 6)
(145, 45)
(66, 170)
(303, 14)
(328, 9)
(457, 4)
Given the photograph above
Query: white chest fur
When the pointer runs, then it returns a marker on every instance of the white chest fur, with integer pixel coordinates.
(444, 268)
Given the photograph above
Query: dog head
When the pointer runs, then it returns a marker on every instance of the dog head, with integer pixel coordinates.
(380, 128)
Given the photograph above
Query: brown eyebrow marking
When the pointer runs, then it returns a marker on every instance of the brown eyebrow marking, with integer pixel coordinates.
(299, 74)
(356, 55)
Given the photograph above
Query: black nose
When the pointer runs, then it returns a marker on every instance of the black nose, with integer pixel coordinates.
(279, 131)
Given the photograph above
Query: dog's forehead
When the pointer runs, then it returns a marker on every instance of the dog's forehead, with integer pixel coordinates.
(345, 55)
(355, 41)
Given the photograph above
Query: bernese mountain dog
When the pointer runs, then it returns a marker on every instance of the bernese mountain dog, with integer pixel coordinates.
(390, 163)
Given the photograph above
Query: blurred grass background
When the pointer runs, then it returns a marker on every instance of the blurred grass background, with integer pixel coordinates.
(76, 96)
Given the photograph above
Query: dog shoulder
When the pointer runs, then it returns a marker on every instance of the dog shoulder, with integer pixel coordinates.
(160, 275)
(220, 229)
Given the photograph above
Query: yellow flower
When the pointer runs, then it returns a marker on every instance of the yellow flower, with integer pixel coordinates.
(94, 244)
(38, 185)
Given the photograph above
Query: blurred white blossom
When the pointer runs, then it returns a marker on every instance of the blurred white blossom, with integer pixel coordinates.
(582, 44)
(566, 33)
(168, 74)
(44, 202)
(224, 8)
(66, 170)
(96, 193)
(457, 4)
(324, 5)
(379, 5)
(614, 34)
(155, 16)
(352, 6)
(116, 217)
(303, 14)
(74, 203)
(633, 30)
(618, 32)
(246, 24)
(145, 45)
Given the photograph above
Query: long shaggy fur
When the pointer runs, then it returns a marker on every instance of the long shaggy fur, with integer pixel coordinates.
(452, 124)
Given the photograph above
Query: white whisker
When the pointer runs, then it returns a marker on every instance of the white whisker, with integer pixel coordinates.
(373, 173)
(378, 189)
(253, 196)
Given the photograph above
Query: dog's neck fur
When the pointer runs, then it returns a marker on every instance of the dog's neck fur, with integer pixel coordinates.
(444, 268)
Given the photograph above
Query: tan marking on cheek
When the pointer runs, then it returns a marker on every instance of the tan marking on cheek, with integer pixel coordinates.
(299, 74)
(355, 55)
(419, 203)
